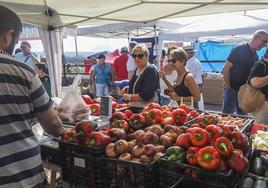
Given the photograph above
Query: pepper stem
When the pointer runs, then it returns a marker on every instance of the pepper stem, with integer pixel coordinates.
(190, 155)
(233, 140)
(207, 157)
(223, 146)
(92, 142)
(198, 136)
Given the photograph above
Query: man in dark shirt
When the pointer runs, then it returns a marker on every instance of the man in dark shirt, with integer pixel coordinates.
(237, 68)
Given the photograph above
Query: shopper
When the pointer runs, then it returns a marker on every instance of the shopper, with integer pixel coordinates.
(103, 76)
(27, 56)
(144, 85)
(92, 81)
(195, 68)
(185, 91)
(131, 66)
(259, 79)
(120, 65)
(22, 98)
(237, 68)
(40, 69)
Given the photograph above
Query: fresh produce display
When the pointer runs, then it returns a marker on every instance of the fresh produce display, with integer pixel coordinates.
(210, 149)
(232, 122)
(260, 140)
(84, 133)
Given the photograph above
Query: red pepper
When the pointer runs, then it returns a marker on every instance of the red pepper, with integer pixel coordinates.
(195, 125)
(152, 106)
(167, 118)
(122, 124)
(238, 162)
(136, 122)
(98, 140)
(95, 109)
(240, 141)
(118, 116)
(185, 108)
(223, 166)
(166, 108)
(128, 113)
(191, 155)
(87, 99)
(224, 146)
(208, 158)
(154, 116)
(121, 105)
(199, 137)
(183, 140)
(179, 116)
(83, 129)
(214, 131)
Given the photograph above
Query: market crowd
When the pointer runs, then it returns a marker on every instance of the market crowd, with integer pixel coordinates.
(177, 79)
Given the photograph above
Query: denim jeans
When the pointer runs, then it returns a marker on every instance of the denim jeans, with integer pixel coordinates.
(230, 102)
(164, 100)
(101, 90)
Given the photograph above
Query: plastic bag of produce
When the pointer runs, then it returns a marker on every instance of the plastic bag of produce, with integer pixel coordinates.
(73, 108)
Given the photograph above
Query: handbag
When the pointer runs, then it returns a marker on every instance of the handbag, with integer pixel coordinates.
(249, 97)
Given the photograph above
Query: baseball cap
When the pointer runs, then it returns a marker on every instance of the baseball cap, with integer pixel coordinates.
(101, 56)
(124, 50)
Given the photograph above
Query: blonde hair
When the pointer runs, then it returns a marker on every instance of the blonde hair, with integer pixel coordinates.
(143, 48)
(179, 54)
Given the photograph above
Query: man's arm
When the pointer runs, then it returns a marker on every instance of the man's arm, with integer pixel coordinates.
(34, 59)
(51, 122)
(226, 73)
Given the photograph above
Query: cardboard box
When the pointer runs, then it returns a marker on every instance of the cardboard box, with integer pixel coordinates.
(213, 83)
(213, 95)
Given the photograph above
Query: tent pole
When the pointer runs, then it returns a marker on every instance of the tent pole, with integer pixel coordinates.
(52, 57)
(155, 44)
(76, 55)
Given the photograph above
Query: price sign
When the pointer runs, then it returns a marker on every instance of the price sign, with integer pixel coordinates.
(106, 106)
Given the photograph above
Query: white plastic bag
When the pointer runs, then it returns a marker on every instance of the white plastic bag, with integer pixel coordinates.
(73, 108)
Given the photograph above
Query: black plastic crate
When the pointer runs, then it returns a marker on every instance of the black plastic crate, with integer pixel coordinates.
(50, 152)
(81, 165)
(129, 174)
(171, 172)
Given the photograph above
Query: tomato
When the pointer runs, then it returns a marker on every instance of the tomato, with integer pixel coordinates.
(87, 99)
(185, 108)
(121, 105)
(128, 113)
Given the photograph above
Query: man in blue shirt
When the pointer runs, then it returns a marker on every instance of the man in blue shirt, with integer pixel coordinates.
(237, 68)
(27, 56)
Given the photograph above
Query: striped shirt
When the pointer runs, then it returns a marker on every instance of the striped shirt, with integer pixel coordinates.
(22, 96)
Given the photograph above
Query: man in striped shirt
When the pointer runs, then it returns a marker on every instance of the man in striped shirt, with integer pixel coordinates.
(22, 97)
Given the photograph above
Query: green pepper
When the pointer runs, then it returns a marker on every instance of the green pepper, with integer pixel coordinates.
(175, 153)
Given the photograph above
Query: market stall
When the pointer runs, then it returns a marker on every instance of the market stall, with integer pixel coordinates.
(114, 145)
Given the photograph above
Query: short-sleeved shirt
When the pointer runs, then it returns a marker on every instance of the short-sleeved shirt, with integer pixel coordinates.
(147, 84)
(195, 68)
(103, 74)
(120, 67)
(243, 58)
(260, 69)
(26, 59)
(22, 96)
(131, 66)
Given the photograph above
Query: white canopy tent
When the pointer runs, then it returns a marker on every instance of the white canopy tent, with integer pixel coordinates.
(52, 15)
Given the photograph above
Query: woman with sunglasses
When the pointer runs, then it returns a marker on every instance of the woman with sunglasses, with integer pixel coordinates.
(185, 90)
(144, 85)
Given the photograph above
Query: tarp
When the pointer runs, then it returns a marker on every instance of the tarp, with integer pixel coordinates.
(216, 25)
(97, 12)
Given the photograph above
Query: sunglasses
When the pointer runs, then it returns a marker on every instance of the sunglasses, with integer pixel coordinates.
(173, 61)
(137, 55)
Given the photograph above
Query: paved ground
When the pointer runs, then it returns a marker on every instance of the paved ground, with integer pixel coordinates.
(213, 107)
